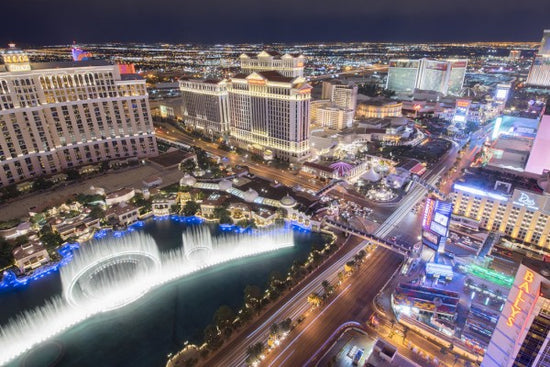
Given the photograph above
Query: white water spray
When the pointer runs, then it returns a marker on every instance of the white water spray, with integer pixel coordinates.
(109, 274)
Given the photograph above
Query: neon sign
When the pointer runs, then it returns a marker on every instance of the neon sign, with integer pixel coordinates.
(428, 212)
(523, 289)
(524, 199)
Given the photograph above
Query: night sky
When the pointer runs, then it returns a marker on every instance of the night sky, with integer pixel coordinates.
(46, 22)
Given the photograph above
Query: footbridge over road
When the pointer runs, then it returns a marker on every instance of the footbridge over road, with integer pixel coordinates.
(393, 246)
(329, 187)
(431, 189)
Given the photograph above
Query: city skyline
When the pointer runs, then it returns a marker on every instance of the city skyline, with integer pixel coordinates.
(212, 21)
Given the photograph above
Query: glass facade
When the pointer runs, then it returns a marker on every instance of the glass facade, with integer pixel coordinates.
(456, 77)
(402, 75)
(536, 336)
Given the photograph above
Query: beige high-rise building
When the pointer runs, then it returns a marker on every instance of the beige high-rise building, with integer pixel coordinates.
(205, 106)
(269, 114)
(343, 95)
(289, 65)
(265, 108)
(55, 116)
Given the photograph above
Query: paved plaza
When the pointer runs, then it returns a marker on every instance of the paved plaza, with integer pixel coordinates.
(128, 177)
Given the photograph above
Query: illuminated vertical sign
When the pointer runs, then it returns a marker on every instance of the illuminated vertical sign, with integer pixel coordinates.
(519, 301)
(428, 213)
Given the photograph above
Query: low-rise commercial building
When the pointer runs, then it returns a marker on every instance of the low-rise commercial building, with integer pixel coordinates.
(120, 196)
(30, 256)
(122, 214)
(368, 107)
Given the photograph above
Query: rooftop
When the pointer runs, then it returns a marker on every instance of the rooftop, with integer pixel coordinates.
(171, 158)
(119, 193)
(26, 250)
(495, 181)
(275, 76)
(120, 209)
(66, 64)
(130, 76)
(541, 267)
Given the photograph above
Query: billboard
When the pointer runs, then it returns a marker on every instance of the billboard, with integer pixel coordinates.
(435, 223)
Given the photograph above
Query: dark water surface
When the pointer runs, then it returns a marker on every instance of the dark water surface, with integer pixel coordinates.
(143, 333)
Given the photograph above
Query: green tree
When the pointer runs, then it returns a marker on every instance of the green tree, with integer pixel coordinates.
(9, 192)
(188, 166)
(97, 212)
(41, 184)
(191, 208)
(223, 215)
(327, 287)
(50, 240)
(274, 330)
(314, 299)
(254, 353)
(212, 336)
(223, 317)
(285, 325)
(6, 257)
(72, 174)
(252, 296)
(175, 208)
(341, 276)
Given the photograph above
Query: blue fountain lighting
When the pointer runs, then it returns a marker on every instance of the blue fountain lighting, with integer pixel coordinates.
(11, 281)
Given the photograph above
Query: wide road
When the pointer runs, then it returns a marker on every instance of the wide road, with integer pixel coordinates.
(353, 302)
(291, 306)
(285, 177)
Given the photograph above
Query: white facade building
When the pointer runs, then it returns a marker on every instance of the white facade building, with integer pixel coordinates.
(269, 111)
(289, 65)
(327, 114)
(539, 75)
(341, 94)
(55, 116)
(205, 106)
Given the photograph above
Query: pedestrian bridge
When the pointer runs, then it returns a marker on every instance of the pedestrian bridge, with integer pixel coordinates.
(431, 189)
(390, 245)
(329, 187)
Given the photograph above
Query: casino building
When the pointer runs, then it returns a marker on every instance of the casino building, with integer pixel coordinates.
(522, 335)
(205, 106)
(289, 65)
(512, 205)
(264, 109)
(443, 76)
(55, 116)
(270, 112)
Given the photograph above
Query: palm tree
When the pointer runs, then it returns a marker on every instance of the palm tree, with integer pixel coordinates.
(341, 276)
(314, 299)
(327, 287)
